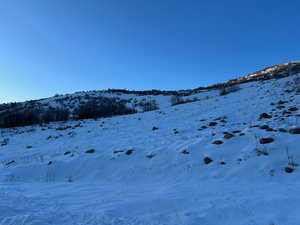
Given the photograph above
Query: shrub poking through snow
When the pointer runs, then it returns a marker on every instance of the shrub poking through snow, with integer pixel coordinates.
(207, 160)
(266, 140)
(236, 131)
(288, 169)
(90, 151)
(280, 107)
(282, 130)
(293, 108)
(280, 102)
(270, 129)
(212, 124)
(129, 152)
(150, 155)
(218, 142)
(118, 151)
(265, 116)
(228, 136)
(294, 131)
(264, 127)
(63, 128)
(185, 152)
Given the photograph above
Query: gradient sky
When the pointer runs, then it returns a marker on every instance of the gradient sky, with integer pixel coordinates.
(63, 46)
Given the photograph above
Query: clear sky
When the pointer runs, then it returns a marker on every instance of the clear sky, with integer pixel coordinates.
(62, 46)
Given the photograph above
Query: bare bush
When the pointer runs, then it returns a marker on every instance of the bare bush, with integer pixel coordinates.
(148, 105)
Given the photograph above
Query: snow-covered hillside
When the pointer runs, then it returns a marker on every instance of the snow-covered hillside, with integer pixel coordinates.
(230, 160)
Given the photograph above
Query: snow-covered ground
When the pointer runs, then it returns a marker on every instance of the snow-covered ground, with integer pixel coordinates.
(176, 165)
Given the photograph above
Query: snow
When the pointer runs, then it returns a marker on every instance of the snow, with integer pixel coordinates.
(46, 177)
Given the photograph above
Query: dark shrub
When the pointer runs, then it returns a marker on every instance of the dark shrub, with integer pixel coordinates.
(207, 160)
(212, 124)
(265, 116)
(217, 142)
(266, 140)
(15, 117)
(288, 169)
(102, 107)
(129, 152)
(228, 136)
(185, 151)
(294, 131)
(90, 151)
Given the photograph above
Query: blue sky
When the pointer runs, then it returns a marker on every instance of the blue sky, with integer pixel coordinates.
(62, 46)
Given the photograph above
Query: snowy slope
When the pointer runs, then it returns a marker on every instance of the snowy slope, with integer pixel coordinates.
(200, 163)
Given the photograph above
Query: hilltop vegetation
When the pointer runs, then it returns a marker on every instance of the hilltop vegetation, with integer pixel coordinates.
(112, 102)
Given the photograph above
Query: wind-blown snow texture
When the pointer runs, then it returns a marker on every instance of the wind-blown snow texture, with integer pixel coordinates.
(148, 168)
